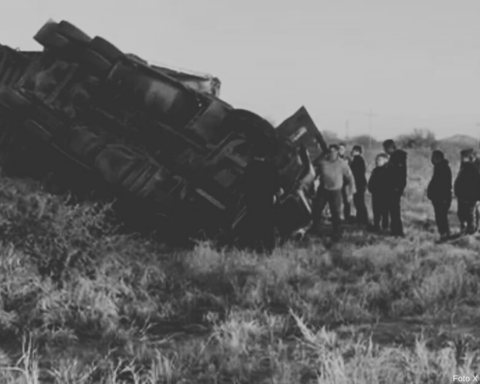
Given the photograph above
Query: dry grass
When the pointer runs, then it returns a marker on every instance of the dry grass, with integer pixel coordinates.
(82, 304)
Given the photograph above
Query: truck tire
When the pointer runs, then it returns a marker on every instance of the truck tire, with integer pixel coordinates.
(96, 62)
(73, 33)
(251, 125)
(136, 59)
(101, 56)
(106, 49)
(50, 37)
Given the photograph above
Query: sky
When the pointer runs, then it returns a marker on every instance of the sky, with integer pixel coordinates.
(410, 63)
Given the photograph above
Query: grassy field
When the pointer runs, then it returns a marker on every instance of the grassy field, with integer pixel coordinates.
(82, 304)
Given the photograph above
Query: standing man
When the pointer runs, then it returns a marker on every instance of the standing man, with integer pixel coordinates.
(359, 170)
(342, 151)
(477, 159)
(347, 206)
(261, 185)
(477, 210)
(397, 181)
(378, 185)
(439, 192)
(333, 173)
(467, 191)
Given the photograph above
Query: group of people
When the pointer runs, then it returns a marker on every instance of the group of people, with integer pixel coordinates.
(466, 189)
(343, 183)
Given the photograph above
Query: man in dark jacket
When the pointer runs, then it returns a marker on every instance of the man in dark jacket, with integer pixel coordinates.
(439, 192)
(467, 191)
(261, 185)
(397, 181)
(378, 186)
(359, 170)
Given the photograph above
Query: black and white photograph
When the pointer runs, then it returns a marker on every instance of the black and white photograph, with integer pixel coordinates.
(239, 192)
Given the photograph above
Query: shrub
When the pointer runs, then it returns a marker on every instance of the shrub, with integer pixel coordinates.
(419, 138)
(331, 137)
(365, 141)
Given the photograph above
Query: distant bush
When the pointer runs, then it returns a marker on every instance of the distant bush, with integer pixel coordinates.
(331, 137)
(365, 141)
(419, 138)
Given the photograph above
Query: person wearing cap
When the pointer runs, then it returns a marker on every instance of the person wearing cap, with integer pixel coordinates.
(347, 206)
(467, 191)
(439, 192)
(261, 181)
(397, 181)
(359, 170)
(333, 173)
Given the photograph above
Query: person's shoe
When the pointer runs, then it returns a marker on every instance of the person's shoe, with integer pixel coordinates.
(373, 229)
(444, 237)
(470, 231)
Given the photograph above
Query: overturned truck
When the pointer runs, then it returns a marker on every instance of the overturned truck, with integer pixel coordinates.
(158, 140)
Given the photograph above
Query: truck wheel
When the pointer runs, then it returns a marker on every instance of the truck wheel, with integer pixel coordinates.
(96, 62)
(137, 59)
(101, 56)
(73, 33)
(106, 49)
(49, 37)
(253, 126)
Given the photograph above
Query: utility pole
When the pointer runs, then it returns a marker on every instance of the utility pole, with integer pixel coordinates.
(370, 125)
(347, 133)
(478, 127)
